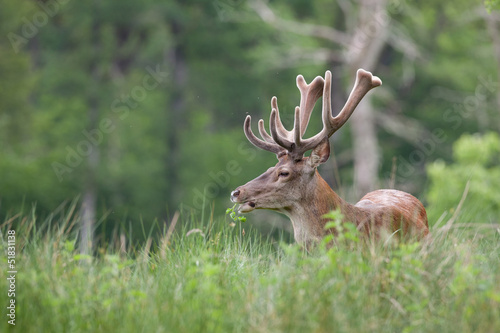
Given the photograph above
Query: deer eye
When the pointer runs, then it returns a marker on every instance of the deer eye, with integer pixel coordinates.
(284, 174)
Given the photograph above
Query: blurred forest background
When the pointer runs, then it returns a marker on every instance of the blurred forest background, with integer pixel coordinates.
(135, 108)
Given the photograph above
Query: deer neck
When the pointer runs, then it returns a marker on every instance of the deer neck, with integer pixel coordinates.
(306, 214)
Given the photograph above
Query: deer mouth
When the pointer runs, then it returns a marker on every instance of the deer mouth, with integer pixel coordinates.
(246, 207)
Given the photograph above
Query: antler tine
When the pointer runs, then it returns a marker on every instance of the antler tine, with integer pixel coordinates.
(269, 146)
(326, 117)
(297, 127)
(280, 128)
(280, 140)
(263, 132)
(309, 95)
(279, 125)
(365, 81)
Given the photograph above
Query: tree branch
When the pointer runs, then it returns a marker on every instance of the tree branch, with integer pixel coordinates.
(267, 15)
(406, 128)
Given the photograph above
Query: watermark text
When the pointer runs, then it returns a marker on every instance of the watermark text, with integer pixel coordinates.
(11, 277)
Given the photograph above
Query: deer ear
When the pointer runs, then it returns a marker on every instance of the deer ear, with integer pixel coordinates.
(320, 154)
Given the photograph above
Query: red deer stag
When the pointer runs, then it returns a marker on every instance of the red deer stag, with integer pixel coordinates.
(295, 188)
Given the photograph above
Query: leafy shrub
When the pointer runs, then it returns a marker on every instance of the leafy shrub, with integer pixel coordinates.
(476, 162)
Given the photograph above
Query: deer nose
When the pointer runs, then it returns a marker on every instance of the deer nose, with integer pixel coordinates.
(235, 195)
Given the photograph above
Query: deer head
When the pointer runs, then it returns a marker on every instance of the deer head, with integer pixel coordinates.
(294, 181)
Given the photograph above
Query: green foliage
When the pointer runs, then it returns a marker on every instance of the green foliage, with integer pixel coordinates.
(210, 277)
(476, 162)
(233, 215)
(439, 88)
(492, 5)
(343, 232)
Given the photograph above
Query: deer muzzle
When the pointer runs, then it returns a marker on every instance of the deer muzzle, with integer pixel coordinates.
(245, 206)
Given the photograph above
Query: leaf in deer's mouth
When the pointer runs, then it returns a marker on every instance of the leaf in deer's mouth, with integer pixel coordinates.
(246, 207)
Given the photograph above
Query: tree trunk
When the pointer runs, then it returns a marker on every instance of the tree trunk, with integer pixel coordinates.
(90, 191)
(368, 42)
(90, 194)
(366, 148)
(175, 57)
(88, 219)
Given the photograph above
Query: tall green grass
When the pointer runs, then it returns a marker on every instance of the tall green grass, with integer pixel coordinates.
(209, 276)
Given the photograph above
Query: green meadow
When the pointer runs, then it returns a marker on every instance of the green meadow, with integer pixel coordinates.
(221, 276)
